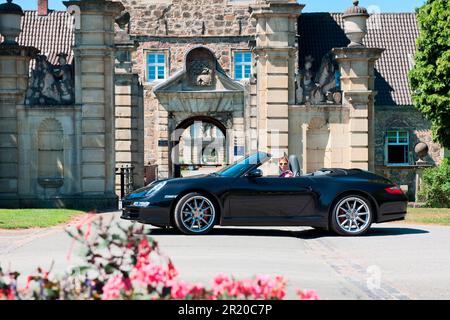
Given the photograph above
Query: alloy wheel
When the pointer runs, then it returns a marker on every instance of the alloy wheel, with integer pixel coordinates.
(353, 215)
(197, 214)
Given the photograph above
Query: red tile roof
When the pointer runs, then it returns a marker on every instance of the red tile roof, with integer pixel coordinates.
(52, 34)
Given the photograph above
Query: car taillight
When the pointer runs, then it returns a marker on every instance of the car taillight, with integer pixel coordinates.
(394, 190)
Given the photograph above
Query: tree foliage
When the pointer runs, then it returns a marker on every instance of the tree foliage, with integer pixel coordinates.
(430, 77)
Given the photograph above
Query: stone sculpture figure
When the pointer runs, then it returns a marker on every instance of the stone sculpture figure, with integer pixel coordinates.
(325, 81)
(305, 81)
(201, 73)
(64, 74)
(50, 84)
(204, 78)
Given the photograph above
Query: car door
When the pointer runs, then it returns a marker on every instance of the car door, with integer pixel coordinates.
(270, 201)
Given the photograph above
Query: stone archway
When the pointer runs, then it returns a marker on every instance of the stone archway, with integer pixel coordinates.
(200, 142)
(202, 90)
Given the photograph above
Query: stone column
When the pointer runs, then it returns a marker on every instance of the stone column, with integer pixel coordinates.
(129, 111)
(94, 90)
(275, 52)
(14, 68)
(357, 83)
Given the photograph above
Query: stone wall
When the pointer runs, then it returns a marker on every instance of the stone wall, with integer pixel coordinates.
(318, 135)
(408, 118)
(194, 17)
(396, 117)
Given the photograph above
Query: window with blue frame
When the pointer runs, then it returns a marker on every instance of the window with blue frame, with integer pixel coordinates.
(242, 65)
(397, 147)
(156, 66)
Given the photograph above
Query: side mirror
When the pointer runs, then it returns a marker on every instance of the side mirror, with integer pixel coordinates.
(256, 173)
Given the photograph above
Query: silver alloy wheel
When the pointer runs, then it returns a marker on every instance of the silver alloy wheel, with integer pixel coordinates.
(198, 214)
(353, 215)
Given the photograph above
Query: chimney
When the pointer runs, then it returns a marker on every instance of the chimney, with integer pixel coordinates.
(42, 7)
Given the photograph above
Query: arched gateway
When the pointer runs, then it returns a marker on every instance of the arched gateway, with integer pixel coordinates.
(200, 145)
(201, 94)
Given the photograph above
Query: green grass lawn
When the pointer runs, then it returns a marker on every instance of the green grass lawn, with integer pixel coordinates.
(428, 216)
(35, 218)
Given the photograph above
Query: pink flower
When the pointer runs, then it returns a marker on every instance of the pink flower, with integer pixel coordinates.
(149, 274)
(115, 286)
(172, 271)
(180, 290)
(261, 287)
(307, 295)
(221, 283)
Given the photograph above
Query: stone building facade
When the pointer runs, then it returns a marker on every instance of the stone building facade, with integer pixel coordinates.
(125, 83)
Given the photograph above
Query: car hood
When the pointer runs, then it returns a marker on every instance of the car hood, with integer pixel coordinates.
(140, 193)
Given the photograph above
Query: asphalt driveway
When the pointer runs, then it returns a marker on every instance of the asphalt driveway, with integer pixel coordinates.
(394, 261)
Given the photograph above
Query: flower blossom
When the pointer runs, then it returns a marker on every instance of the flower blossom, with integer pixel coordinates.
(307, 295)
(115, 286)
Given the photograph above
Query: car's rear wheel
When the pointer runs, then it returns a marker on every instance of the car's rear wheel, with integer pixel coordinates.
(351, 216)
(195, 213)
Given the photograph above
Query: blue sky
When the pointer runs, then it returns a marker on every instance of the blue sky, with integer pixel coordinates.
(311, 5)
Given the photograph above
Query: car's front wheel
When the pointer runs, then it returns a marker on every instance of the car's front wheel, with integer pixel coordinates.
(195, 213)
(351, 216)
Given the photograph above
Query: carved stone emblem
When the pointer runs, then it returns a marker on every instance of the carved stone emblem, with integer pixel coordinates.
(51, 84)
(202, 73)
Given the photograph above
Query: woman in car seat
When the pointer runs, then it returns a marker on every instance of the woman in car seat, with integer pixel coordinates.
(283, 164)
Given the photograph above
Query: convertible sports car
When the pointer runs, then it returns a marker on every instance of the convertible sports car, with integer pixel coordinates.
(346, 201)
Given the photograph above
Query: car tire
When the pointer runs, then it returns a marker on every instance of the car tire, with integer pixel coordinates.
(352, 215)
(195, 213)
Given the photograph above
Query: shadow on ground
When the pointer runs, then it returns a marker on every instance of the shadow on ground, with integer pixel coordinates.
(302, 234)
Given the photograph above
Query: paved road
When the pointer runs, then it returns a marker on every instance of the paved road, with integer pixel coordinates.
(394, 261)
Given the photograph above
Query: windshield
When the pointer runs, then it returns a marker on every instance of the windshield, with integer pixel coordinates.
(242, 165)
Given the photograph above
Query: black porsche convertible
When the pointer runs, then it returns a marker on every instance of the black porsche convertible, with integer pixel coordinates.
(346, 201)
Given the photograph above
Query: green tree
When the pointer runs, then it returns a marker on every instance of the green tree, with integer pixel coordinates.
(430, 77)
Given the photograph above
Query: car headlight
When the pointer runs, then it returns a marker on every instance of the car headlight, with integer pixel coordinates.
(141, 204)
(155, 188)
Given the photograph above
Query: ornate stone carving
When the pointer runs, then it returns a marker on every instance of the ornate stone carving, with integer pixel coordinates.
(51, 84)
(305, 81)
(201, 73)
(325, 81)
(318, 88)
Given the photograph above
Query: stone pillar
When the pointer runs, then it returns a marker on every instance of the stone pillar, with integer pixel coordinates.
(357, 84)
(129, 111)
(94, 90)
(275, 52)
(14, 68)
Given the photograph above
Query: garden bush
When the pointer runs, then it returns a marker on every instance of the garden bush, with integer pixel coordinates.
(435, 188)
(125, 263)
